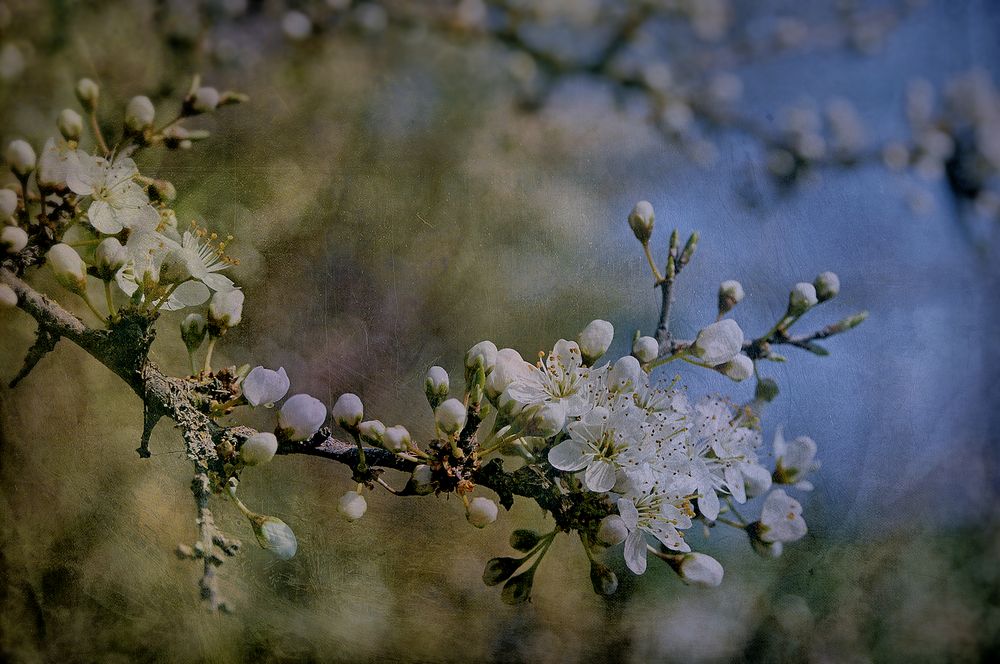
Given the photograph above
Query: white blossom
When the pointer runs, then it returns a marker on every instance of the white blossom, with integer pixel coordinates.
(264, 387)
(595, 339)
(259, 448)
(436, 385)
(781, 518)
(561, 377)
(508, 367)
(194, 327)
(301, 417)
(625, 374)
(54, 164)
(542, 420)
(595, 442)
(421, 480)
(482, 512)
(718, 343)
(352, 505)
(658, 514)
(757, 480)
(118, 200)
(795, 460)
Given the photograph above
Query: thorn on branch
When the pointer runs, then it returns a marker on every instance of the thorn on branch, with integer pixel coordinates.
(45, 341)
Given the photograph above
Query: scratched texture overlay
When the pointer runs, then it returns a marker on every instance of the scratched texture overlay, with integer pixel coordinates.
(399, 190)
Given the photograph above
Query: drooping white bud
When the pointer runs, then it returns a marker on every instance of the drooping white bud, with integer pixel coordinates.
(301, 417)
(8, 298)
(348, 411)
(87, 93)
(699, 569)
(624, 374)
(372, 432)
(612, 530)
(139, 114)
(109, 257)
(13, 239)
(264, 387)
(8, 204)
(352, 505)
(68, 267)
(730, 294)
(509, 366)
(482, 512)
(739, 368)
(20, 157)
(450, 417)
(641, 221)
(70, 124)
(645, 349)
(274, 535)
(802, 298)
(484, 353)
(436, 386)
(421, 480)
(543, 420)
(718, 343)
(225, 309)
(397, 438)
(194, 327)
(595, 339)
(259, 448)
(205, 100)
(827, 286)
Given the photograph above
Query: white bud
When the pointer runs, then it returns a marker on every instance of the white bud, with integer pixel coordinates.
(372, 432)
(645, 349)
(595, 339)
(13, 239)
(348, 411)
(87, 93)
(397, 438)
(739, 368)
(421, 480)
(543, 420)
(718, 343)
(194, 327)
(109, 257)
(485, 353)
(509, 366)
(225, 309)
(624, 374)
(8, 298)
(301, 417)
(450, 416)
(699, 569)
(352, 505)
(612, 530)
(8, 204)
(139, 114)
(641, 220)
(264, 387)
(730, 294)
(20, 157)
(756, 480)
(436, 386)
(802, 298)
(259, 448)
(274, 535)
(205, 100)
(68, 267)
(70, 124)
(482, 512)
(827, 286)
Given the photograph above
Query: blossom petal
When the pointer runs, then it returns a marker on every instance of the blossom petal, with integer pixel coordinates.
(102, 217)
(635, 552)
(629, 513)
(708, 504)
(600, 476)
(569, 455)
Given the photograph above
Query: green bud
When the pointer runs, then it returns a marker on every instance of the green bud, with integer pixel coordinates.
(689, 249)
(850, 322)
(604, 580)
(193, 331)
(500, 569)
(518, 589)
(767, 390)
(524, 540)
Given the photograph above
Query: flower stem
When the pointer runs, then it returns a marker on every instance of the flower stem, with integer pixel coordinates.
(652, 263)
(95, 128)
(208, 354)
(90, 303)
(110, 299)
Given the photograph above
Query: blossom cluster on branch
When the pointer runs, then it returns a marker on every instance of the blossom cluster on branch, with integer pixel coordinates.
(609, 449)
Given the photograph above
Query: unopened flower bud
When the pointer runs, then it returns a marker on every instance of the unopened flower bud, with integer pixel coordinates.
(264, 387)
(348, 411)
(274, 535)
(8, 298)
(450, 417)
(259, 448)
(421, 480)
(87, 93)
(603, 579)
(397, 438)
(205, 100)
(543, 420)
(13, 239)
(301, 417)
(8, 204)
(482, 512)
(483, 354)
(70, 124)
(109, 257)
(524, 540)
(595, 339)
(194, 327)
(20, 157)
(509, 367)
(518, 589)
(499, 570)
(372, 432)
(352, 505)
(645, 349)
(508, 406)
(436, 386)
(730, 294)
(827, 286)
(612, 530)
(767, 390)
(225, 309)
(756, 480)
(739, 368)
(718, 343)
(68, 267)
(624, 374)
(641, 221)
(802, 298)
(698, 569)
(139, 114)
